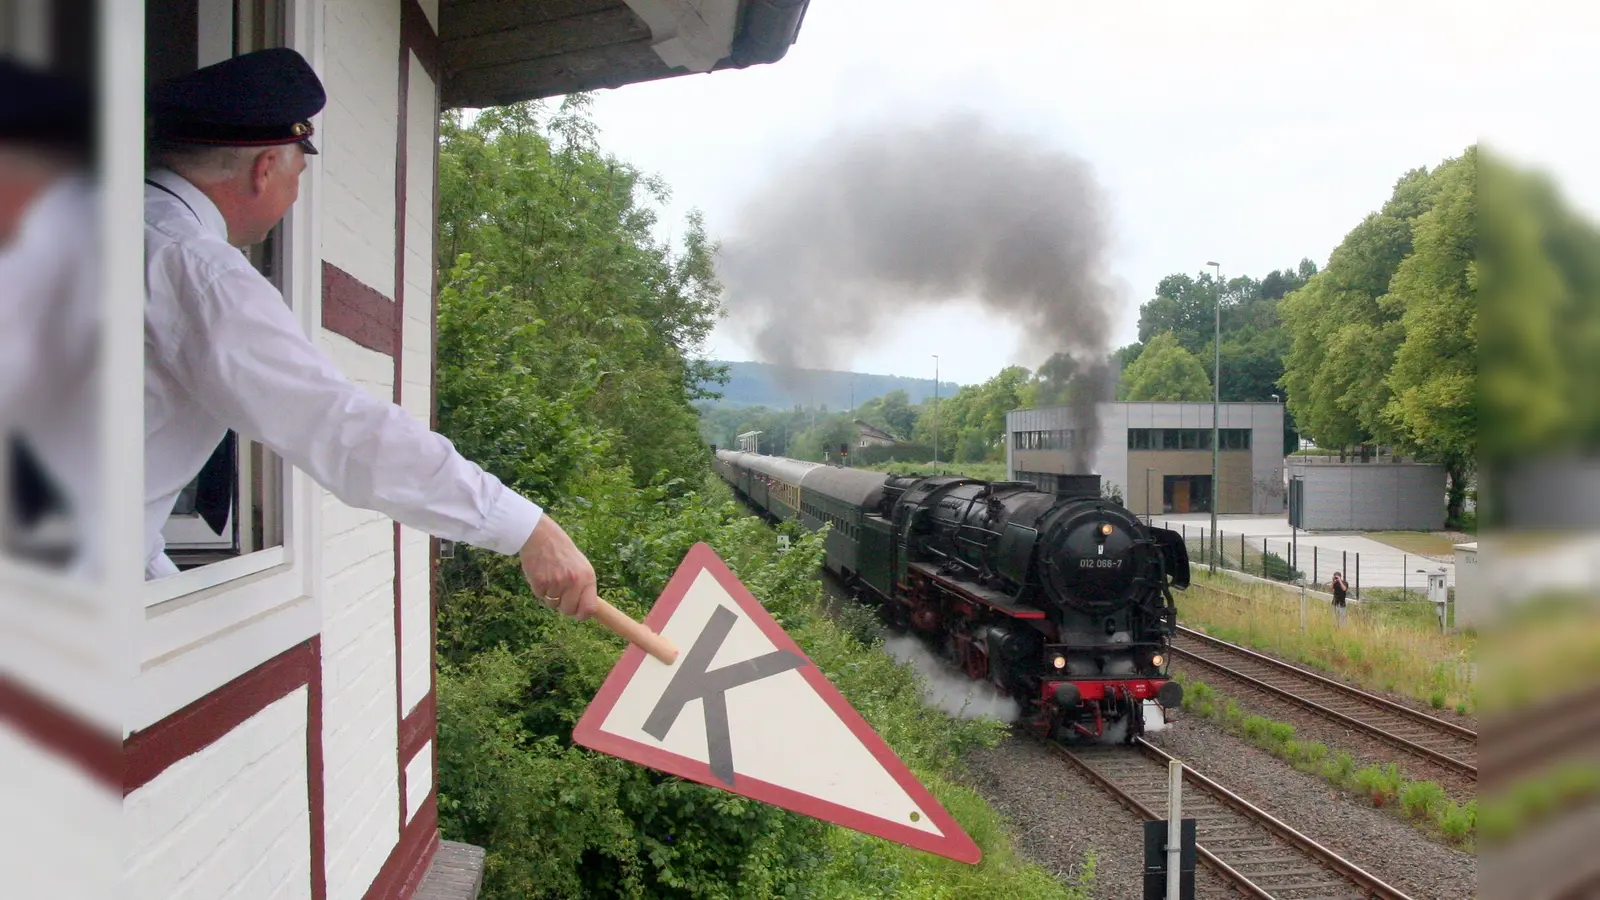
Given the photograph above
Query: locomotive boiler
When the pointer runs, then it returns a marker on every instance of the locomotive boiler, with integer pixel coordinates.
(1061, 600)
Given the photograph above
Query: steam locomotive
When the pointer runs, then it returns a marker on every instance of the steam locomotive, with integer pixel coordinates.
(1062, 601)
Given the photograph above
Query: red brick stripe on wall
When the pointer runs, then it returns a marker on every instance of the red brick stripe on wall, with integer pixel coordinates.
(418, 840)
(151, 751)
(358, 312)
(417, 729)
(408, 863)
(314, 785)
(97, 754)
(416, 35)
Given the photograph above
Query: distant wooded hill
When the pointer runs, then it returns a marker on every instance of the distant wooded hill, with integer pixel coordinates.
(764, 384)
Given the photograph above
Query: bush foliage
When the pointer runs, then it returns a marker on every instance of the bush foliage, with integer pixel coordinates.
(565, 366)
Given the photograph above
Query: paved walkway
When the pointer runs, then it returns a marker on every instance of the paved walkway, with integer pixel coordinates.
(1321, 554)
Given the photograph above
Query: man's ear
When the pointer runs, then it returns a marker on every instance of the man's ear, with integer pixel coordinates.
(262, 168)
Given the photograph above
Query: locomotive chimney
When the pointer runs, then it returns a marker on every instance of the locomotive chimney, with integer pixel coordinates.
(1078, 487)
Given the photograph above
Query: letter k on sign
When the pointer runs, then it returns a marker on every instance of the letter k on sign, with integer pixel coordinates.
(746, 711)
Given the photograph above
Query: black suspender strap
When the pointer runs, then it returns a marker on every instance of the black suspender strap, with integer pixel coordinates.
(164, 189)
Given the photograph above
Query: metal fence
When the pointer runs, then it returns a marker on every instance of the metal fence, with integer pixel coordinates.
(1373, 576)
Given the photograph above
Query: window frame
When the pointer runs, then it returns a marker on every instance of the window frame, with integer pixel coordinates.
(205, 626)
(258, 507)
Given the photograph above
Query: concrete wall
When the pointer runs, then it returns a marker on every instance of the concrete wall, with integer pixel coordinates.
(1236, 488)
(1371, 496)
(1471, 610)
(1111, 458)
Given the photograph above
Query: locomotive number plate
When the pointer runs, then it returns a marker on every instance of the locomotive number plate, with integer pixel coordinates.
(1099, 563)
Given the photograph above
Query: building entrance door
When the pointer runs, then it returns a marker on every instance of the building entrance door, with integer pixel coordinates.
(1180, 495)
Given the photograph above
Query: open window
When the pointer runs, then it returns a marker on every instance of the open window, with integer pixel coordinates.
(235, 506)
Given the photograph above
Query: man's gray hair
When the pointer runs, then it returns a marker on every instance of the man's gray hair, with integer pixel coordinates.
(206, 164)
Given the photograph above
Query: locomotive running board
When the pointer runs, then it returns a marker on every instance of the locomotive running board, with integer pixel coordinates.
(980, 595)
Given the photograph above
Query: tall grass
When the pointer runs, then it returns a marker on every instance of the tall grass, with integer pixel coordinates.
(1422, 803)
(1375, 648)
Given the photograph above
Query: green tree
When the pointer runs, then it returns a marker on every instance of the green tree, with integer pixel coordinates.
(1165, 371)
(1343, 339)
(1184, 307)
(899, 416)
(562, 236)
(1432, 409)
(1540, 338)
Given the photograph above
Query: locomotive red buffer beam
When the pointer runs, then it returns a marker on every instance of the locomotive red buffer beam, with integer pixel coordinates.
(1068, 694)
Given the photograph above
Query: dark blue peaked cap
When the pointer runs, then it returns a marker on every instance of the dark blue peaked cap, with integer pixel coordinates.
(39, 107)
(256, 100)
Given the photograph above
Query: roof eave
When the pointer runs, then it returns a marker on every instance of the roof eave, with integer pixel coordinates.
(765, 31)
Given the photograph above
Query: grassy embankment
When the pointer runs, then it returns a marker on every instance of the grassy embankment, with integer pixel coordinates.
(1392, 647)
(1421, 803)
(1421, 543)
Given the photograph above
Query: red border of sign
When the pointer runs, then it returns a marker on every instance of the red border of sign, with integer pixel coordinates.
(954, 845)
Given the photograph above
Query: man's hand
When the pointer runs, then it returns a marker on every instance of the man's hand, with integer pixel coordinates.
(558, 572)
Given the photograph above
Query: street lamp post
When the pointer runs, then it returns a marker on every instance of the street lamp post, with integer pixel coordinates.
(1147, 472)
(1216, 431)
(936, 409)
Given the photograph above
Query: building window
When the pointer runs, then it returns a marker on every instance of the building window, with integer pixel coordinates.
(1041, 480)
(235, 506)
(1058, 439)
(1186, 438)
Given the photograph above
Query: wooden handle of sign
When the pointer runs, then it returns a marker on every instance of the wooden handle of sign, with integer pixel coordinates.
(635, 633)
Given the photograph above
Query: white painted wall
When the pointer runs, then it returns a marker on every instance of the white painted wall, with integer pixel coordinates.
(416, 371)
(68, 841)
(359, 128)
(231, 820)
(359, 724)
(419, 779)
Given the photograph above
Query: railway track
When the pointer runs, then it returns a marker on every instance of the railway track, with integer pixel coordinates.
(1255, 852)
(1446, 744)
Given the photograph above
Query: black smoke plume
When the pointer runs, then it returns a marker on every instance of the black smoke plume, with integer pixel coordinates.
(876, 224)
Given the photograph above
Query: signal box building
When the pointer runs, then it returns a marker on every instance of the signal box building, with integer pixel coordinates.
(1158, 454)
(273, 706)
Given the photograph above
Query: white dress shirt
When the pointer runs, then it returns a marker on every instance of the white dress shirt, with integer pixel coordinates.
(49, 350)
(223, 350)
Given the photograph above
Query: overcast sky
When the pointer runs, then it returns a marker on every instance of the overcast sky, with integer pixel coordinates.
(1249, 133)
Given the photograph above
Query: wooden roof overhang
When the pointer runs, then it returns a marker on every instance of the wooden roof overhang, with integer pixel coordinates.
(495, 52)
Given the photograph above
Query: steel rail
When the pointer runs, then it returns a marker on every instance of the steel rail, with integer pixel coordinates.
(1444, 759)
(1366, 881)
(1374, 885)
(1211, 860)
(1433, 722)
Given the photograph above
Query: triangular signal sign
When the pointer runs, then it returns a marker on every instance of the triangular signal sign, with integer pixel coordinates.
(744, 709)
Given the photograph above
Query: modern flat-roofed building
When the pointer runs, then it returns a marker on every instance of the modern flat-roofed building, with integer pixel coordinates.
(1158, 455)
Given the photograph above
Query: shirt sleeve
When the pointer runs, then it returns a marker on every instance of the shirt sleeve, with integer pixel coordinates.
(245, 359)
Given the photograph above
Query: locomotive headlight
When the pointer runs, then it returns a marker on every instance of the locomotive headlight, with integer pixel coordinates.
(1106, 529)
(1060, 662)
(1157, 660)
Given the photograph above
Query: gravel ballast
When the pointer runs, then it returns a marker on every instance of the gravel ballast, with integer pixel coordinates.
(1309, 726)
(1059, 816)
(1371, 838)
